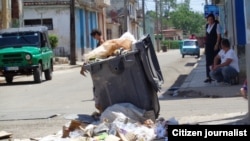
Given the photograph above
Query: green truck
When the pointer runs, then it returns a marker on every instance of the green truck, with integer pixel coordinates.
(25, 51)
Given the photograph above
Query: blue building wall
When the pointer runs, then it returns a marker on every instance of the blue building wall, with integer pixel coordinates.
(83, 29)
(80, 28)
(77, 26)
(92, 25)
(240, 22)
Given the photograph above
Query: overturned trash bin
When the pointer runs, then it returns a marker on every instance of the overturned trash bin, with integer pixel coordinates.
(132, 77)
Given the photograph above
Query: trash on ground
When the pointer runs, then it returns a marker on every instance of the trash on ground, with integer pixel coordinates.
(5, 135)
(125, 87)
(129, 124)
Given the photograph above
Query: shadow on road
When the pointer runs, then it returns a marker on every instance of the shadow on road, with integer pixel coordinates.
(236, 120)
(20, 83)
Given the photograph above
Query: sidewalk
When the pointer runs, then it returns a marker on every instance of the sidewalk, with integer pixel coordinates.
(194, 86)
(66, 66)
(194, 83)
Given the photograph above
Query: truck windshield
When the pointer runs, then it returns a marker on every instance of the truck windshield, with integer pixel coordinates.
(19, 39)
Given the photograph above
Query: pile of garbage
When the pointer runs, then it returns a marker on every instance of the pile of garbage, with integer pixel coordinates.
(130, 78)
(119, 122)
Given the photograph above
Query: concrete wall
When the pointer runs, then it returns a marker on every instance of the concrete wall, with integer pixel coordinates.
(5, 14)
(231, 21)
(247, 23)
(116, 13)
(240, 36)
(113, 30)
(61, 23)
(247, 20)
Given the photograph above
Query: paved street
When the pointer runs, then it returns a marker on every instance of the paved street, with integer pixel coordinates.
(69, 92)
(51, 104)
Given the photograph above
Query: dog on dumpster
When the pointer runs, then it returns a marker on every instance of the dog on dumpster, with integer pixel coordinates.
(109, 48)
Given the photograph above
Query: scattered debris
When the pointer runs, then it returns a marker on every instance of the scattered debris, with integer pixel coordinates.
(5, 135)
(114, 125)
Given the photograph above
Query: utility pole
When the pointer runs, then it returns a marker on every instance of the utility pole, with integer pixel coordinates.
(125, 28)
(72, 33)
(161, 19)
(143, 16)
(206, 2)
(5, 14)
(157, 26)
(16, 11)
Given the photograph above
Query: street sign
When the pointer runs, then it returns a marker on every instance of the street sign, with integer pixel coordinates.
(208, 9)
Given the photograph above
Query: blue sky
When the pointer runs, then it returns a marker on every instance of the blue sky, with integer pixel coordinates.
(195, 5)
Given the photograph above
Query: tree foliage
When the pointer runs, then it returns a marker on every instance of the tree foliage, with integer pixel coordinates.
(53, 39)
(167, 6)
(180, 16)
(189, 21)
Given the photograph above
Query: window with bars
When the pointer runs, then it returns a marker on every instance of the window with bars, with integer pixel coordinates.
(36, 22)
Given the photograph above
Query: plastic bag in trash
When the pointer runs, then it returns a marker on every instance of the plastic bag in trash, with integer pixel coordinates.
(172, 121)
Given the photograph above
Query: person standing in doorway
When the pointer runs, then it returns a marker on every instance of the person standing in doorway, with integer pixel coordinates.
(97, 34)
(212, 44)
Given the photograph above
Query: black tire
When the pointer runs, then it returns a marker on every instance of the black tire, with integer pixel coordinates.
(198, 56)
(48, 73)
(183, 55)
(38, 74)
(9, 79)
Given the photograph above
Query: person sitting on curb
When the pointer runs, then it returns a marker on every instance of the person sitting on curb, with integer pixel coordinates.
(228, 69)
(243, 90)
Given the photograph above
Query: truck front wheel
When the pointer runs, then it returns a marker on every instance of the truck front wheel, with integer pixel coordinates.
(9, 79)
(48, 73)
(38, 74)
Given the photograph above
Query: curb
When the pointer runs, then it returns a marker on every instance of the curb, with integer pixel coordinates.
(64, 67)
(212, 91)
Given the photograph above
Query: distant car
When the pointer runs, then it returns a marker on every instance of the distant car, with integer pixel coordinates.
(25, 51)
(190, 47)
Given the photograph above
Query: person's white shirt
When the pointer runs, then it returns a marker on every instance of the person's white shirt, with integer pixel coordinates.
(230, 54)
(210, 27)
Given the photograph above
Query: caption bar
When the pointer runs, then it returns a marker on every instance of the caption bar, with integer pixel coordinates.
(208, 132)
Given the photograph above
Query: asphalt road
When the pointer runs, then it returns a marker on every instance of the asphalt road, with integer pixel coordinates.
(69, 92)
(35, 110)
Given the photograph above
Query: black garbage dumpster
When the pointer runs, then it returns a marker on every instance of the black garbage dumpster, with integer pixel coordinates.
(133, 77)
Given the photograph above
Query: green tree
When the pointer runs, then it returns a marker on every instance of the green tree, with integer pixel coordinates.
(167, 6)
(180, 16)
(189, 21)
(152, 14)
(53, 39)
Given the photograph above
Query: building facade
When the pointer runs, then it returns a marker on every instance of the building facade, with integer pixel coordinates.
(122, 17)
(233, 19)
(55, 14)
(10, 13)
